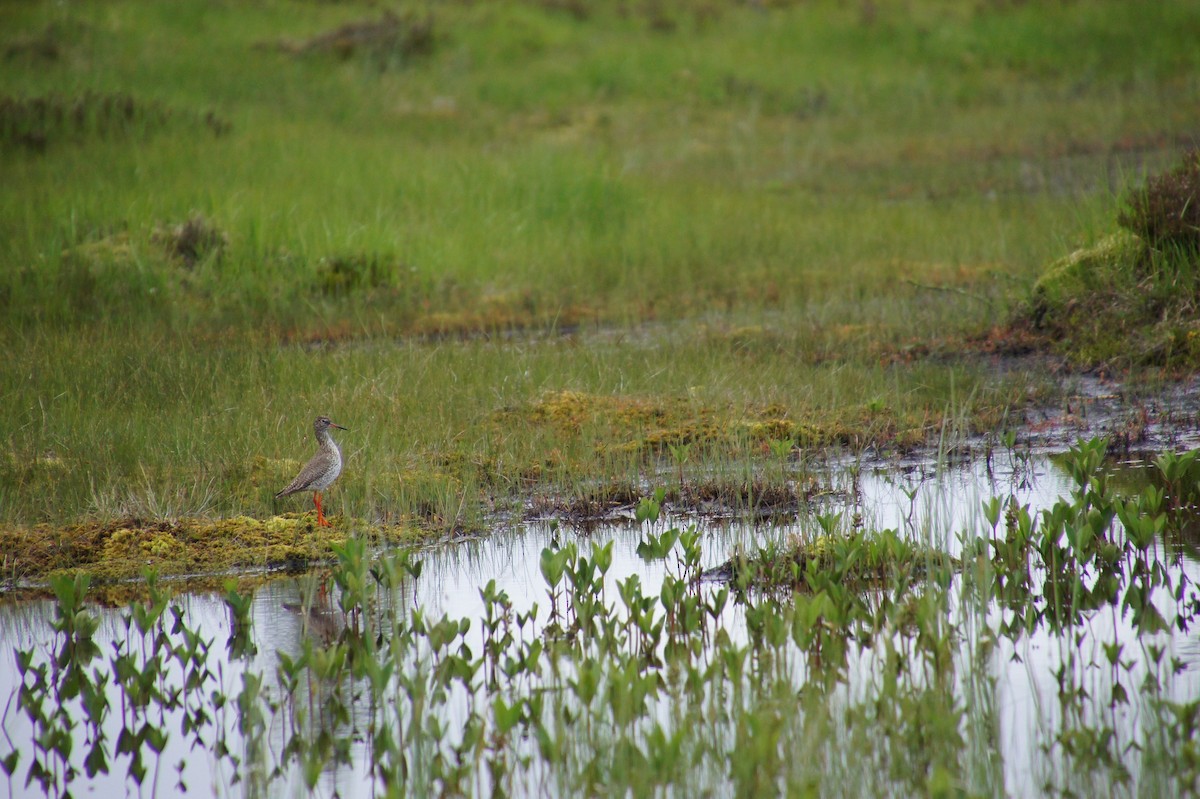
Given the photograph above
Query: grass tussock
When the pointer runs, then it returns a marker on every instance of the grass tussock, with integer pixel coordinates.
(1166, 211)
(1131, 298)
(35, 123)
(191, 240)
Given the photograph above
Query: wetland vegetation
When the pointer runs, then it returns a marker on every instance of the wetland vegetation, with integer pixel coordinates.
(1051, 656)
(579, 264)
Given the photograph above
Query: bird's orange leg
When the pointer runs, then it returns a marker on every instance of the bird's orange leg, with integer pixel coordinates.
(321, 521)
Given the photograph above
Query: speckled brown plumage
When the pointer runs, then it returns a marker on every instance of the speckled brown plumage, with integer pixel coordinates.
(321, 470)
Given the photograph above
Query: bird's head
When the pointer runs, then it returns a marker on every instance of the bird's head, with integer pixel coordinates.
(323, 423)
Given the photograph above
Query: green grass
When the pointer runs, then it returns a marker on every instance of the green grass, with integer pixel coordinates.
(98, 431)
(750, 209)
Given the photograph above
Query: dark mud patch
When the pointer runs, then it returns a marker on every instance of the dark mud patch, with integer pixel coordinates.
(1134, 409)
(604, 504)
(757, 499)
(1131, 417)
(340, 275)
(391, 38)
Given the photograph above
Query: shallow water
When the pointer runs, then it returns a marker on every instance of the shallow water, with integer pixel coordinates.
(937, 506)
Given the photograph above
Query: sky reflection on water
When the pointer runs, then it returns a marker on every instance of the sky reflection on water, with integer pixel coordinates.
(930, 504)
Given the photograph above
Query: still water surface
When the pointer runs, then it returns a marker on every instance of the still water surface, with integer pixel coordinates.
(933, 505)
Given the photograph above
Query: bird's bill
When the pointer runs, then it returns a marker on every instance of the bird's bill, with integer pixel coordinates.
(338, 426)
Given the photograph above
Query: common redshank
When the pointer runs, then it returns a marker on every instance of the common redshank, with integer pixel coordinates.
(321, 470)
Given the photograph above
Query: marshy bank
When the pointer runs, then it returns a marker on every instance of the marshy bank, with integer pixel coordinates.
(447, 435)
(1050, 654)
(127, 502)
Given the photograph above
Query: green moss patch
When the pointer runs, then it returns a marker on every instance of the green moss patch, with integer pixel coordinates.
(678, 428)
(1105, 268)
(123, 549)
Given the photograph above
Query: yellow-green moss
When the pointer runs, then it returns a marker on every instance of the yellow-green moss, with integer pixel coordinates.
(571, 409)
(123, 549)
(114, 249)
(1107, 265)
(658, 426)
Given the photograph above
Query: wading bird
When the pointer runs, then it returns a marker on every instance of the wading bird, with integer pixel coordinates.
(321, 470)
